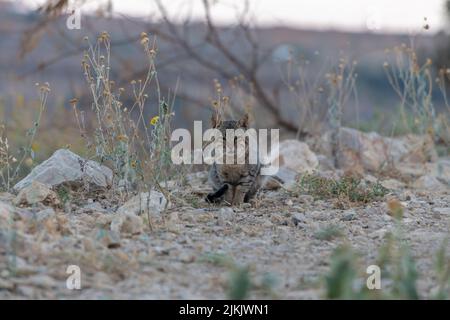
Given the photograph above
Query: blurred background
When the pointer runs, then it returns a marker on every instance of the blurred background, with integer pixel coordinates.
(280, 60)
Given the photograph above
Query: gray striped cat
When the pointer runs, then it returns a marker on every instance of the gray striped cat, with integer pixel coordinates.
(233, 183)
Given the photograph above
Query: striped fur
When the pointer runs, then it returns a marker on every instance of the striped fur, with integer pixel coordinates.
(233, 183)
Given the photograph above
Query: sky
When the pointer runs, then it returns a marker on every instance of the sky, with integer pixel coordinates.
(353, 15)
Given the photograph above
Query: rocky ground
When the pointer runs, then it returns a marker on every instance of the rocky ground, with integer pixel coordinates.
(191, 250)
(277, 239)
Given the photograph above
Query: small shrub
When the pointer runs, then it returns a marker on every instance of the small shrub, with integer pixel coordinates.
(63, 194)
(346, 278)
(339, 282)
(239, 284)
(240, 280)
(12, 164)
(137, 148)
(413, 83)
(442, 266)
(218, 259)
(347, 190)
(398, 266)
(328, 233)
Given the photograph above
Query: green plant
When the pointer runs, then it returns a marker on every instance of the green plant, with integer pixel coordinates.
(240, 280)
(413, 83)
(10, 164)
(63, 194)
(320, 93)
(397, 264)
(442, 126)
(339, 282)
(328, 233)
(218, 259)
(388, 123)
(239, 283)
(346, 277)
(192, 200)
(442, 266)
(136, 147)
(347, 190)
(341, 84)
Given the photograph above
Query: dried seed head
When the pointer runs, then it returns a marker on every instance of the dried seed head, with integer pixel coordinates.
(104, 36)
(144, 41)
(45, 88)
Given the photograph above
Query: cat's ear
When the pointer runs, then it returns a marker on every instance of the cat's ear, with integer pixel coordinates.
(244, 121)
(216, 119)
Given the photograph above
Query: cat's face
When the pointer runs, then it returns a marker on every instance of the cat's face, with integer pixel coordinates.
(229, 124)
(224, 125)
(232, 146)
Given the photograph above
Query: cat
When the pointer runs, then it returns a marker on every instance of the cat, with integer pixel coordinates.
(233, 183)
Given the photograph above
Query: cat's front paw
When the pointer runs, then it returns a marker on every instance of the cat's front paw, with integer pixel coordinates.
(211, 198)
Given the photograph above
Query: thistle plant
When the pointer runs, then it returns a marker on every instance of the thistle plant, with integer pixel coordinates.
(136, 148)
(413, 83)
(306, 86)
(341, 86)
(332, 87)
(442, 127)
